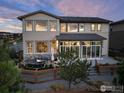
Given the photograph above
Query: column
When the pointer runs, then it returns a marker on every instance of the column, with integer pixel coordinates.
(49, 47)
(34, 47)
(80, 50)
(33, 27)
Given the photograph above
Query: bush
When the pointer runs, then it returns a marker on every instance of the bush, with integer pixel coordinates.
(57, 87)
(9, 76)
(114, 81)
(98, 84)
(40, 66)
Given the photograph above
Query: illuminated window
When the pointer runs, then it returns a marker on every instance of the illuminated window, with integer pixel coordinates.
(99, 27)
(41, 25)
(29, 25)
(93, 27)
(29, 47)
(91, 49)
(72, 27)
(63, 27)
(53, 25)
(81, 27)
(96, 27)
(41, 46)
(54, 45)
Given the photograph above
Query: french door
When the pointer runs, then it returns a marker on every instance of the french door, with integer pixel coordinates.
(91, 52)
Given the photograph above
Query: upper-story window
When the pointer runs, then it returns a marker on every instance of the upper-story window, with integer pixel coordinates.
(41, 25)
(81, 27)
(72, 27)
(99, 27)
(93, 27)
(29, 25)
(96, 27)
(63, 27)
(53, 25)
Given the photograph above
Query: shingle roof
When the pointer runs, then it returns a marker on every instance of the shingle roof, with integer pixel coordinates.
(68, 18)
(36, 12)
(118, 22)
(83, 20)
(79, 37)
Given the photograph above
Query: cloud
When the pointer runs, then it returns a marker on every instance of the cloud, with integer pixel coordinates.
(11, 28)
(9, 13)
(10, 25)
(14, 27)
(10, 9)
(82, 7)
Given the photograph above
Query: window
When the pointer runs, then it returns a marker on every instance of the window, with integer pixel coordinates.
(91, 49)
(41, 25)
(72, 27)
(96, 27)
(29, 25)
(99, 27)
(53, 25)
(41, 47)
(69, 46)
(93, 27)
(29, 47)
(63, 27)
(54, 46)
(96, 42)
(70, 43)
(81, 27)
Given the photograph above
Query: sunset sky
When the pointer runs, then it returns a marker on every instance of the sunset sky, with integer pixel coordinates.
(11, 9)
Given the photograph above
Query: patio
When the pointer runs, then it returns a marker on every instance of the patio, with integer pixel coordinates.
(106, 77)
(105, 60)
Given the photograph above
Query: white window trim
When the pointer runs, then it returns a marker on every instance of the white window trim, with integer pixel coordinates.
(25, 24)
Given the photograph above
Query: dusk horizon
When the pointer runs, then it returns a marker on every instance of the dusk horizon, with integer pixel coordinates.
(11, 9)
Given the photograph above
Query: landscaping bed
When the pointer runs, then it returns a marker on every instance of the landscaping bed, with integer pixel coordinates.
(39, 76)
(111, 68)
(71, 91)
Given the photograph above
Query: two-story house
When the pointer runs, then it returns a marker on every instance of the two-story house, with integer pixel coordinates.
(44, 33)
(116, 36)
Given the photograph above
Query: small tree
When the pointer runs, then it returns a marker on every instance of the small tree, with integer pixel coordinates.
(9, 73)
(72, 69)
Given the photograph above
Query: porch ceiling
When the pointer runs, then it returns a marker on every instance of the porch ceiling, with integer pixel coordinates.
(79, 37)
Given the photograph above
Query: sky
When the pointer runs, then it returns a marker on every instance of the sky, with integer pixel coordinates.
(10, 9)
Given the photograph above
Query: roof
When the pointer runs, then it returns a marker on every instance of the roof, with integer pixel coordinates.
(83, 20)
(79, 37)
(118, 22)
(36, 12)
(69, 18)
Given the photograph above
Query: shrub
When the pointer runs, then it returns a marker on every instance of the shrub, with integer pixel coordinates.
(98, 84)
(57, 87)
